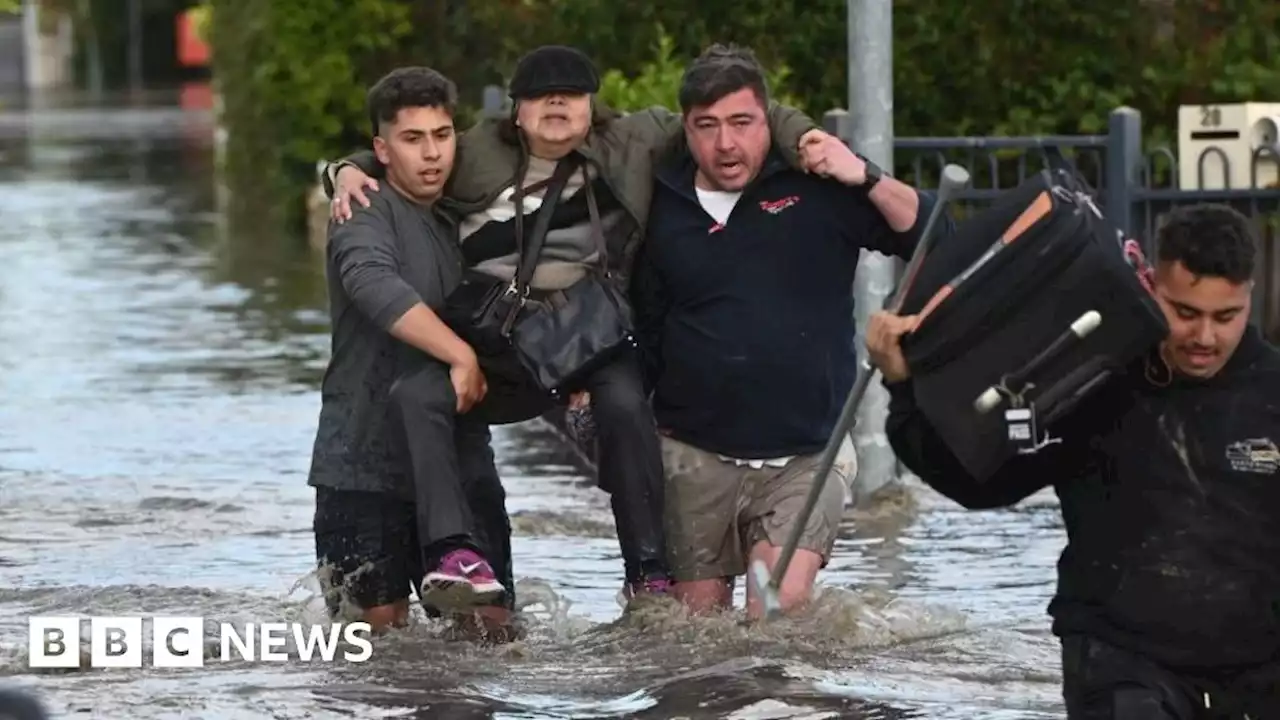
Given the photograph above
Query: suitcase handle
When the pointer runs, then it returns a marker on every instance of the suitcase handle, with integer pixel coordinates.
(1056, 161)
(1014, 384)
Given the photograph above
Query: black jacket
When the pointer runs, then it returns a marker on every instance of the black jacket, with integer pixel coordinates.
(1170, 493)
(748, 327)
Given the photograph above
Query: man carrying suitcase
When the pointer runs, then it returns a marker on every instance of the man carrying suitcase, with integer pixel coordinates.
(1168, 598)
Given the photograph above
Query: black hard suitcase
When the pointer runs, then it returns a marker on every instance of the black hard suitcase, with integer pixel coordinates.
(998, 302)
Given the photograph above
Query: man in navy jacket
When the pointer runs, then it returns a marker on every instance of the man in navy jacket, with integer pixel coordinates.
(744, 305)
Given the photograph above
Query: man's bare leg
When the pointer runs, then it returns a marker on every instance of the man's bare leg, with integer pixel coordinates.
(705, 596)
(488, 624)
(384, 617)
(796, 589)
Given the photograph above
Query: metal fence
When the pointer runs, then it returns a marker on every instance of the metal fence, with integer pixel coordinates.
(1135, 186)
(13, 74)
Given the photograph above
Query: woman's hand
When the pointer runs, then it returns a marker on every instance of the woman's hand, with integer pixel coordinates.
(350, 182)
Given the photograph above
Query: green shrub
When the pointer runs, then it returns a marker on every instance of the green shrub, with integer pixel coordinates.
(657, 81)
(293, 75)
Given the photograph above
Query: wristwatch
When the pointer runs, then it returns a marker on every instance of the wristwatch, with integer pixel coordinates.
(874, 173)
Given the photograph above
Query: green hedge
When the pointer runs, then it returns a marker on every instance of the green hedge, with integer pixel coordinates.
(293, 80)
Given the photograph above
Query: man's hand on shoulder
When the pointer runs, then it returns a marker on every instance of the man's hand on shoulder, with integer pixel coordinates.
(827, 156)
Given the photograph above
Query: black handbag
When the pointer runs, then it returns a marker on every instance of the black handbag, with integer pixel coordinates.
(558, 337)
(481, 307)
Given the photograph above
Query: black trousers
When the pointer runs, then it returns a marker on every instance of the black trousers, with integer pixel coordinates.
(629, 464)
(451, 507)
(1102, 682)
(458, 495)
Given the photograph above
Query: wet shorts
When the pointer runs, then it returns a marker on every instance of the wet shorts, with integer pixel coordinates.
(366, 548)
(717, 511)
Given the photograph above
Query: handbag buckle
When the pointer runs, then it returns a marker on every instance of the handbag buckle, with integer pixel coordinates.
(511, 291)
(516, 307)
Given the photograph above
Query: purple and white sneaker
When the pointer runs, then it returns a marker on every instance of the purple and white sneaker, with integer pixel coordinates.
(658, 585)
(463, 580)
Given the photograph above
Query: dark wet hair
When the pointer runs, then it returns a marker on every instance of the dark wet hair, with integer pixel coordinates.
(410, 87)
(1210, 240)
(719, 71)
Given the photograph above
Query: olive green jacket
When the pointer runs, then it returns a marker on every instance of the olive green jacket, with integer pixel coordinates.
(626, 150)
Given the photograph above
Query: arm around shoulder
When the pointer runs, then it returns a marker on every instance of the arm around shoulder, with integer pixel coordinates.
(654, 128)
(365, 160)
(788, 126)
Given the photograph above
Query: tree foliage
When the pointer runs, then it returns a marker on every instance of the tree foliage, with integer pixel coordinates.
(291, 83)
(293, 80)
(657, 81)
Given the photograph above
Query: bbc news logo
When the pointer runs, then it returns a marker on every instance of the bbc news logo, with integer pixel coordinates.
(180, 642)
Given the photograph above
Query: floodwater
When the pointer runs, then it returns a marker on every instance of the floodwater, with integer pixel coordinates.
(158, 378)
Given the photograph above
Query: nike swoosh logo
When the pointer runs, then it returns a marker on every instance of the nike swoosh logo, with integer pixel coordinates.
(468, 569)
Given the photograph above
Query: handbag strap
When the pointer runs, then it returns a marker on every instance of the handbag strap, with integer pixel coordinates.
(530, 248)
(597, 228)
(528, 251)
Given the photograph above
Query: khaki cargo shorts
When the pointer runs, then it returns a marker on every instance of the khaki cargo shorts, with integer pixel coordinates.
(716, 511)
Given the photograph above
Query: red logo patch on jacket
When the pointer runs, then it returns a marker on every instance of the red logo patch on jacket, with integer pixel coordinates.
(773, 207)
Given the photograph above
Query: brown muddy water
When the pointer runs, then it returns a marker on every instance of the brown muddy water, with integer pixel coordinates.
(158, 381)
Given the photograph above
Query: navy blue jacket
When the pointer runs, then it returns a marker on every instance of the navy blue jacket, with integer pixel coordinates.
(747, 329)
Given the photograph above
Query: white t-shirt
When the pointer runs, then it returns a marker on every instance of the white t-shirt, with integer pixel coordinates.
(718, 203)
